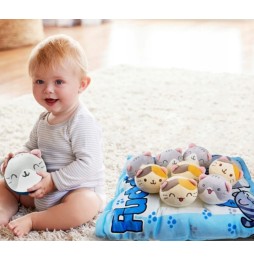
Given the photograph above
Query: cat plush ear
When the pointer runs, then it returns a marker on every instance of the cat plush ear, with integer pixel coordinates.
(191, 145)
(147, 153)
(36, 152)
(228, 186)
(174, 167)
(139, 172)
(163, 185)
(203, 169)
(129, 168)
(240, 172)
(202, 176)
(164, 170)
(194, 182)
(224, 158)
(179, 150)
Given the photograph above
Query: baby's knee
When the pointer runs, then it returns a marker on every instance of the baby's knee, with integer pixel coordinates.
(85, 205)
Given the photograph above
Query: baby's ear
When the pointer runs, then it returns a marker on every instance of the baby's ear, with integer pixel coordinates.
(84, 83)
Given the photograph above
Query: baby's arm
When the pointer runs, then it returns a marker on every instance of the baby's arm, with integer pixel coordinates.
(85, 136)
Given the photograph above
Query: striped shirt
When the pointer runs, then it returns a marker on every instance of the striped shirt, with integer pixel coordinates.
(72, 151)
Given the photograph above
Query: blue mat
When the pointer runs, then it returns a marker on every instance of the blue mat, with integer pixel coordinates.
(136, 215)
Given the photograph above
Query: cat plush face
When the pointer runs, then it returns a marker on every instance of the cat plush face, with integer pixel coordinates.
(20, 173)
(214, 189)
(134, 164)
(178, 191)
(197, 155)
(227, 168)
(150, 177)
(169, 158)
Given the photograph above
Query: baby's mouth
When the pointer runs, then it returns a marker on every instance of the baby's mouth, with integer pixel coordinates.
(51, 101)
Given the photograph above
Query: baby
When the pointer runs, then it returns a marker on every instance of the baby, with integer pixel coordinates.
(67, 137)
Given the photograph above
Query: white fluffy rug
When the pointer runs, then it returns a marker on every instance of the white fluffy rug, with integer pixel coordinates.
(152, 109)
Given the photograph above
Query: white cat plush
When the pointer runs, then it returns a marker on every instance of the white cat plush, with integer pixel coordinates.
(20, 173)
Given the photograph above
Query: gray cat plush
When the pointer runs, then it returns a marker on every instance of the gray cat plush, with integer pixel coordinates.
(214, 189)
(198, 155)
(134, 164)
(169, 157)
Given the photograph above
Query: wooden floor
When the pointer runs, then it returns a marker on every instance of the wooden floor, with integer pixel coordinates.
(207, 45)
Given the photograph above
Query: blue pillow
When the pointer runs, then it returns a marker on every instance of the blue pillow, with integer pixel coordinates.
(136, 215)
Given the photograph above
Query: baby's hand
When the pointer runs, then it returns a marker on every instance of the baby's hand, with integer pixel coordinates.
(42, 188)
(5, 162)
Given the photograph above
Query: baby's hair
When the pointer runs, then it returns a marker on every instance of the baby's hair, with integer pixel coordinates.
(55, 50)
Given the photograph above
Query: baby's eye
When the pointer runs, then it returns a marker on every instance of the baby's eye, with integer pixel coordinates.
(39, 81)
(59, 82)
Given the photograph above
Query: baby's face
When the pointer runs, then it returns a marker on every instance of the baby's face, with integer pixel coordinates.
(57, 89)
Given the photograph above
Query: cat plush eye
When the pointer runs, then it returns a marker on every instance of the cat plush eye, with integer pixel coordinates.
(14, 175)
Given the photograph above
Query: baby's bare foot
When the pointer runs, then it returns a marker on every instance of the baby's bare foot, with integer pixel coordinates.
(21, 226)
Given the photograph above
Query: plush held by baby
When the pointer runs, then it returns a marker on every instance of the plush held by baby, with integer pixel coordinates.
(21, 172)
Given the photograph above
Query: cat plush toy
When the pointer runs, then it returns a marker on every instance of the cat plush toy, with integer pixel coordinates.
(169, 157)
(20, 173)
(150, 177)
(227, 168)
(187, 170)
(134, 164)
(214, 189)
(197, 155)
(178, 191)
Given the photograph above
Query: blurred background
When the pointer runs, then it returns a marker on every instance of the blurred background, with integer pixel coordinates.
(203, 45)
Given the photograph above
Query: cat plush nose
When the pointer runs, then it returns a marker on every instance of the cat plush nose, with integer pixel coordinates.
(209, 191)
(25, 173)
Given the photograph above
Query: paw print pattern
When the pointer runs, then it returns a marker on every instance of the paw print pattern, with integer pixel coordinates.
(231, 228)
(207, 214)
(232, 211)
(171, 222)
(152, 217)
(119, 201)
(193, 229)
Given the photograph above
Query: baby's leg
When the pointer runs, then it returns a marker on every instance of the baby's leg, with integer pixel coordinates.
(76, 208)
(8, 204)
